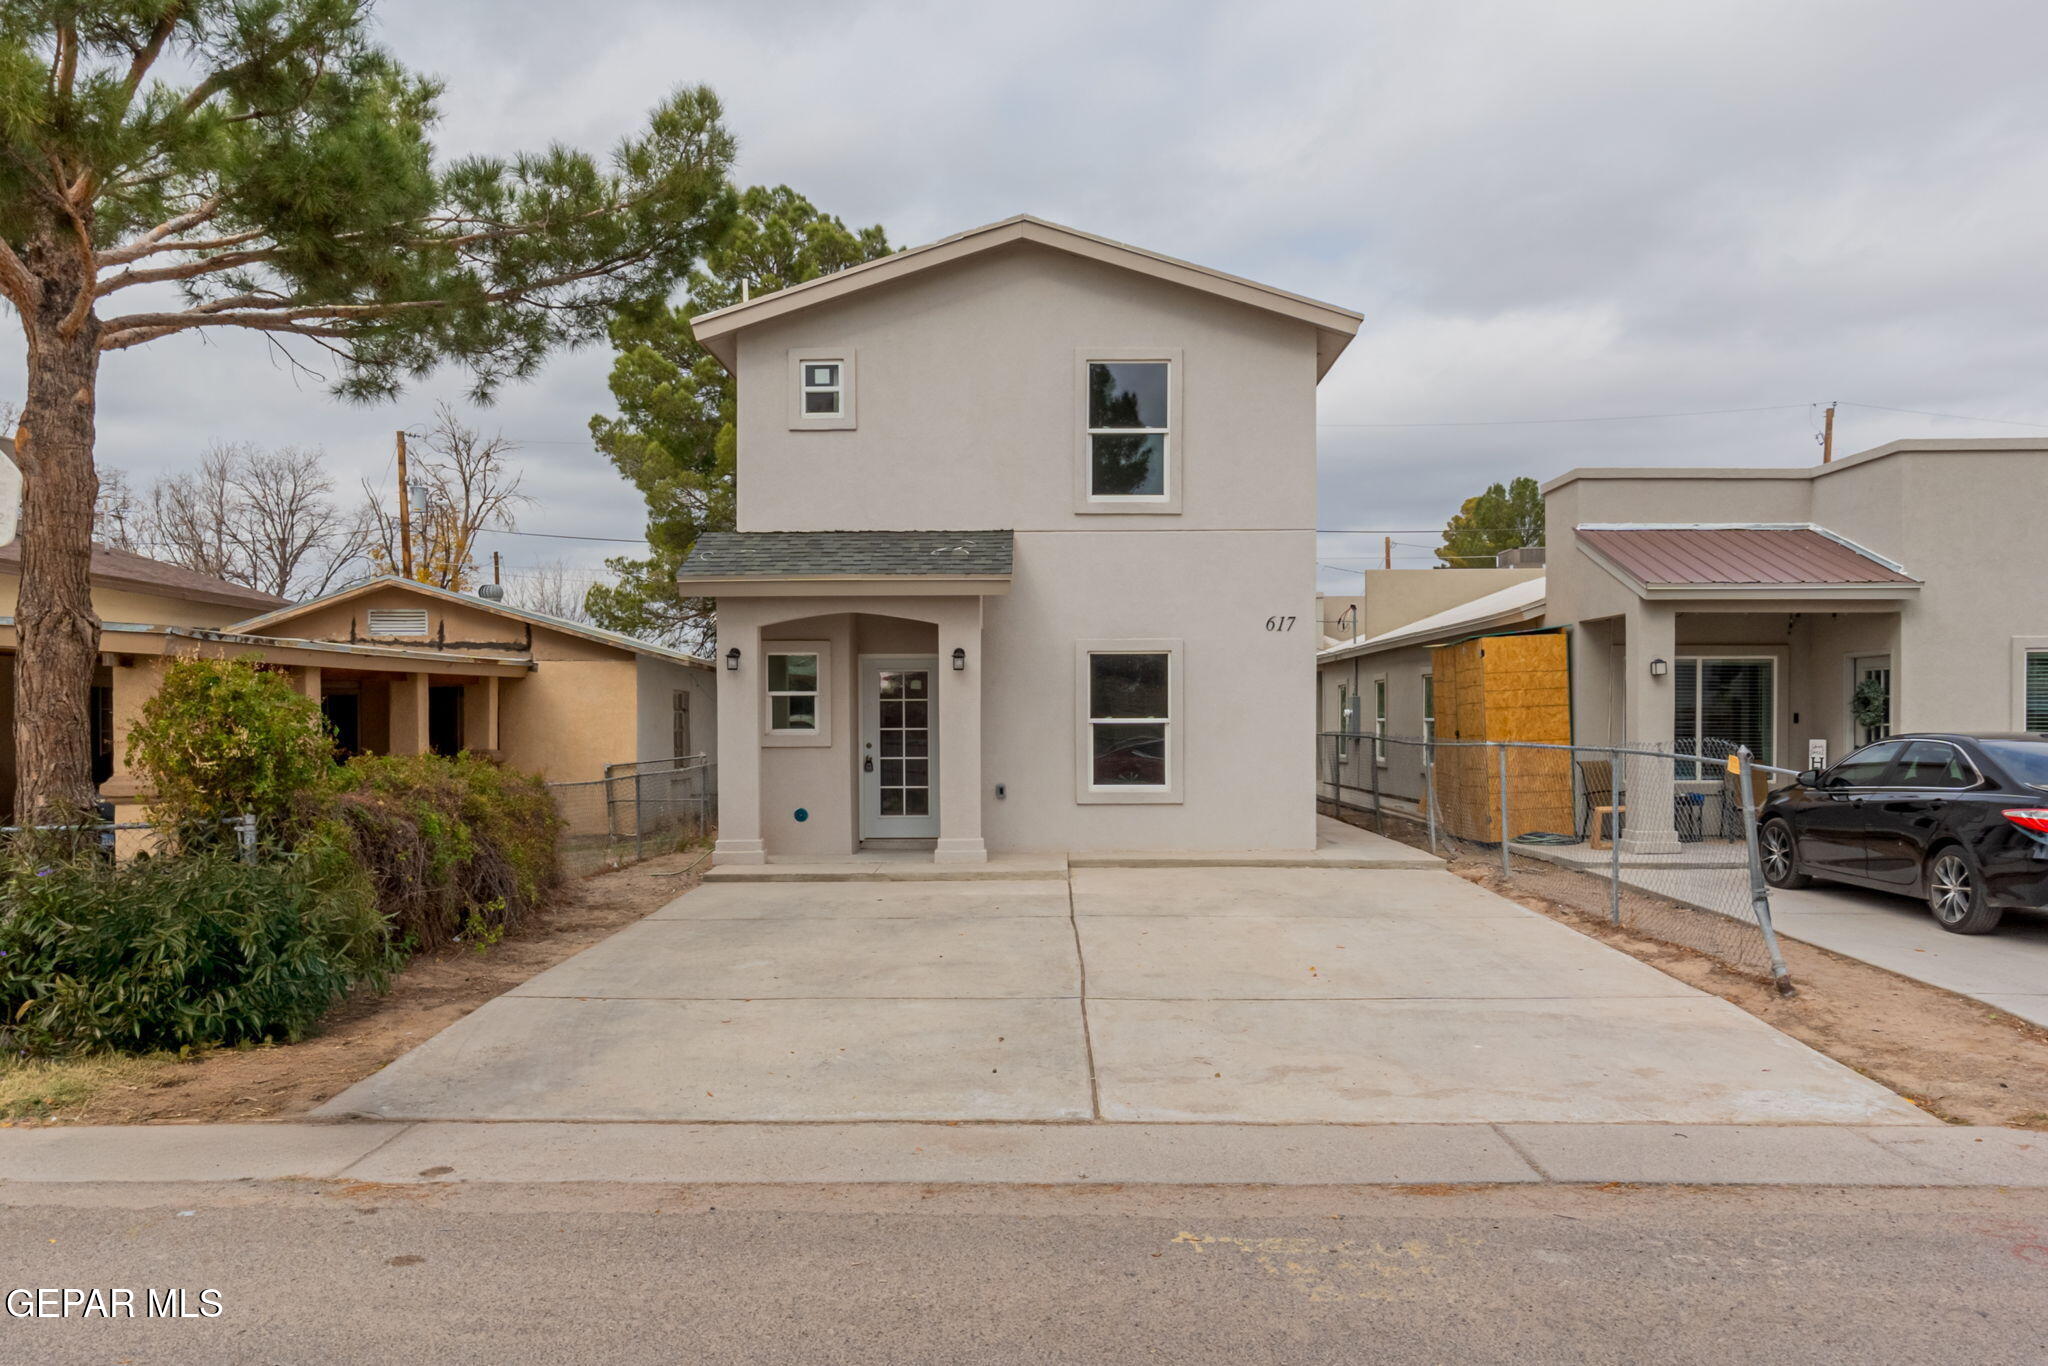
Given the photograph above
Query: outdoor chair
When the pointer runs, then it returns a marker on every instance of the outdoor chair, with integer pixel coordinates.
(1596, 781)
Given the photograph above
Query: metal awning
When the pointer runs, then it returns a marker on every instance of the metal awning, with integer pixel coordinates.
(1693, 559)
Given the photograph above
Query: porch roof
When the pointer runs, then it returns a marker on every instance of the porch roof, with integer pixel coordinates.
(1682, 559)
(757, 563)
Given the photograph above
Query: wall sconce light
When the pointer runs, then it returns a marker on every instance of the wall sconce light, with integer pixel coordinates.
(1658, 668)
(959, 660)
(732, 660)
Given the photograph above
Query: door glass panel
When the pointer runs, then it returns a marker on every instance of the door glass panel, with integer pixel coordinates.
(903, 721)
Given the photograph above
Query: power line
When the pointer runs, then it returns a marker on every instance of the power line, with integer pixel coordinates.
(563, 536)
(1957, 417)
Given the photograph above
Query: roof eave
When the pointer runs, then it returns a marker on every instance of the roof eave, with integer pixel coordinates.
(846, 585)
(716, 331)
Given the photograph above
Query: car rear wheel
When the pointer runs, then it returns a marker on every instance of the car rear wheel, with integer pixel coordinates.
(1780, 855)
(1955, 893)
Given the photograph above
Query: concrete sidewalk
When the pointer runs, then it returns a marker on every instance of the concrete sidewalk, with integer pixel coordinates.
(1225, 995)
(1030, 1154)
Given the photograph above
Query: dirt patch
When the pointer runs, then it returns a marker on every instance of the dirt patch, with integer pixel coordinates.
(1957, 1058)
(367, 1031)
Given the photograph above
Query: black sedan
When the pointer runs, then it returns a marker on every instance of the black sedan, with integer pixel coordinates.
(1961, 820)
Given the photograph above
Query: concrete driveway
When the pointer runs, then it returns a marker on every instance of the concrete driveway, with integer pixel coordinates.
(2007, 969)
(1213, 994)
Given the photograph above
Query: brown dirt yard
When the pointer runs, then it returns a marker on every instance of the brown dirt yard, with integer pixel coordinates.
(362, 1034)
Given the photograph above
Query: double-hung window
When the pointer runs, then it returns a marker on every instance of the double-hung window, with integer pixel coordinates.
(1379, 720)
(1130, 412)
(1728, 700)
(793, 693)
(821, 388)
(1130, 741)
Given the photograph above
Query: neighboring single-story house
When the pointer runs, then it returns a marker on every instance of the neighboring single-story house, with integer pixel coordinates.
(1384, 683)
(399, 668)
(1025, 554)
(1801, 612)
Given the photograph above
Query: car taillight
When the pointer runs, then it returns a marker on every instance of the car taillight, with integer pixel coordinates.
(2034, 818)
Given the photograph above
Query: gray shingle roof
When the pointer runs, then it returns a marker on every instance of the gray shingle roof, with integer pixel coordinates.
(836, 554)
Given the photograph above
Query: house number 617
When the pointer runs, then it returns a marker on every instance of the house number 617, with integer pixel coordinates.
(1279, 623)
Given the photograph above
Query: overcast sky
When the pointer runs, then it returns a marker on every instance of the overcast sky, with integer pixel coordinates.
(1566, 210)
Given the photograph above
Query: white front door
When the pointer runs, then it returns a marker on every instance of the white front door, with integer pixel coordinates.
(899, 747)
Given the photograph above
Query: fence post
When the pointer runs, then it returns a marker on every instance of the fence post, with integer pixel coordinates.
(639, 817)
(245, 835)
(1429, 794)
(1614, 799)
(1759, 890)
(1379, 821)
(1506, 866)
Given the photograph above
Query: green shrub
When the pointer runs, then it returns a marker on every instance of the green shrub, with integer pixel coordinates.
(450, 845)
(185, 952)
(222, 737)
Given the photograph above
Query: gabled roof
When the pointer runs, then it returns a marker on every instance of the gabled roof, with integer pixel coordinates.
(124, 569)
(1334, 326)
(260, 625)
(1768, 557)
(1514, 605)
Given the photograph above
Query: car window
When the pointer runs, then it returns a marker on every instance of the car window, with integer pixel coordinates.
(1866, 767)
(1930, 763)
(2026, 761)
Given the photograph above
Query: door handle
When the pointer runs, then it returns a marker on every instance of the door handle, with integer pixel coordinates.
(867, 765)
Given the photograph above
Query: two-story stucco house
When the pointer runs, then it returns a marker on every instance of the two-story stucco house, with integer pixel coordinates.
(1025, 554)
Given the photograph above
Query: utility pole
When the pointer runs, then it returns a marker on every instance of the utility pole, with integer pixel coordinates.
(1387, 553)
(404, 513)
(1827, 437)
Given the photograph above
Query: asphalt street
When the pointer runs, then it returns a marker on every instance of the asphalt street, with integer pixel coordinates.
(903, 1274)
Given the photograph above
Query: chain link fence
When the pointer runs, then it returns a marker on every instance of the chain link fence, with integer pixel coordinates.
(1656, 841)
(636, 811)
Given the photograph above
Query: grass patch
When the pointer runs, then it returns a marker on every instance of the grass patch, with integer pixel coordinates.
(38, 1088)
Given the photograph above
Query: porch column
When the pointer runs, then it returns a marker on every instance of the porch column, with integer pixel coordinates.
(960, 741)
(491, 713)
(409, 714)
(1650, 712)
(308, 681)
(739, 738)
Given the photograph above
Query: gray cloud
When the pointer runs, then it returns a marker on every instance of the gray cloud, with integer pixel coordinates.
(1579, 208)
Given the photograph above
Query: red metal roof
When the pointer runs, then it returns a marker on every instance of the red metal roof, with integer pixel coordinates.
(1684, 556)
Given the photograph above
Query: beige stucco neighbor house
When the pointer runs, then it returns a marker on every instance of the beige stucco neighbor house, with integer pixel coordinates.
(1801, 612)
(1024, 558)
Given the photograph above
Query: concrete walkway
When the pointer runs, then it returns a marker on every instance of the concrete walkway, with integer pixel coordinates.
(2007, 968)
(1309, 995)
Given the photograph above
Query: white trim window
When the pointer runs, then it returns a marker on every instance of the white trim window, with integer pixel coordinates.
(1130, 732)
(1130, 428)
(1379, 720)
(2035, 692)
(1429, 713)
(821, 389)
(679, 722)
(796, 690)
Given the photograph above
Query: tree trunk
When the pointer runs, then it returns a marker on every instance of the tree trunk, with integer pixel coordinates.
(59, 636)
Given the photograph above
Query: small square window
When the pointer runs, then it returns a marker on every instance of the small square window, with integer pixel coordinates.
(793, 693)
(823, 391)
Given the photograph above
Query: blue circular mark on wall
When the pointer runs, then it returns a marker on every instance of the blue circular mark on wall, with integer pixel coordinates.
(802, 815)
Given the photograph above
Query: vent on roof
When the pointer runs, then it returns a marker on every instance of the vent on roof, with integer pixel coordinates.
(398, 621)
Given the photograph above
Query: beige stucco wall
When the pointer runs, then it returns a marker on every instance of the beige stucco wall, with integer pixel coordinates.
(569, 718)
(657, 681)
(1957, 516)
(967, 403)
(1399, 597)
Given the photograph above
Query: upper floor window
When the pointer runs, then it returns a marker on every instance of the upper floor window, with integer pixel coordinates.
(821, 386)
(820, 389)
(1130, 428)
